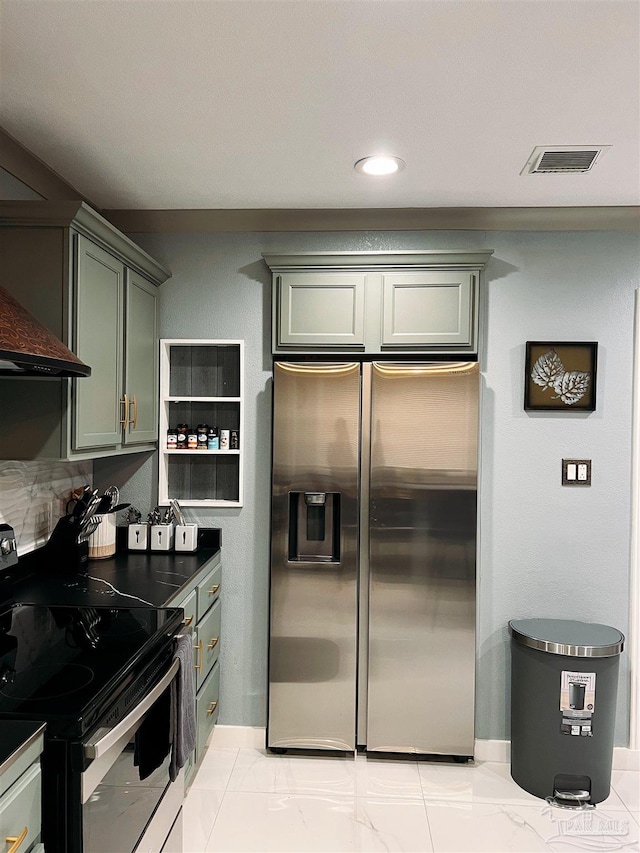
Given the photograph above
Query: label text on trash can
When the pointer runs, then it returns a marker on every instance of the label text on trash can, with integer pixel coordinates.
(577, 702)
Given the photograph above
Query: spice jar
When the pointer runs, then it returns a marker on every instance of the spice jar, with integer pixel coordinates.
(201, 432)
(182, 431)
(234, 439)
(213, 440)
(172, 438)
(192, 439)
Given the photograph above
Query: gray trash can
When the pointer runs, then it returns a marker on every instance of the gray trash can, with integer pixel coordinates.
(564, 681)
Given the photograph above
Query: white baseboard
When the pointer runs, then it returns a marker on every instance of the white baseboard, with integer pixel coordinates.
(500, 750)
(626, 759)
(254, 737)
(493, 750)
(240, 737)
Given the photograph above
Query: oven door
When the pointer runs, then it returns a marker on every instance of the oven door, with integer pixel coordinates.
(120, 812)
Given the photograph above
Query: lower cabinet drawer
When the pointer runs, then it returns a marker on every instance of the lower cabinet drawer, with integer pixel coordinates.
(207, 709)
(208, 643)
(190, 607)
(20, 809)
(208, 590)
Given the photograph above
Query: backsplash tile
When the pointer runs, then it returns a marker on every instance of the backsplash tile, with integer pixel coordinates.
(33, 496)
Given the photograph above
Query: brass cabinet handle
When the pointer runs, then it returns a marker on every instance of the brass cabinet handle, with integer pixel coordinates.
(16, 840)
(188, 621)
(213, 642)
(214, 589)
(125, 420)
(198, 648)
(134, 420)
(211, 708)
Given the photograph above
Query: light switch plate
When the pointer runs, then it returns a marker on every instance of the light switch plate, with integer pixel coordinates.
(576, 472)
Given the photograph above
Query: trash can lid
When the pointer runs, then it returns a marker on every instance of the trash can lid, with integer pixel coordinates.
(566, 637)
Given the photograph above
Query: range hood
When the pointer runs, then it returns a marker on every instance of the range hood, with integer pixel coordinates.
(27, 348)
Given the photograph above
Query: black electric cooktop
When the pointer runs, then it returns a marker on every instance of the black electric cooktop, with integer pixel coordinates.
(68, 665)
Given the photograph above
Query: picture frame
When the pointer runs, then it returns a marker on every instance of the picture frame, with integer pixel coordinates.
(560, 376)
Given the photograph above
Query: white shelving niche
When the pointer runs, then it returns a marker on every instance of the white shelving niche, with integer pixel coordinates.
(201, 381)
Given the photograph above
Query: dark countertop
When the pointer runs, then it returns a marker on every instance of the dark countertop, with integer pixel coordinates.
(14, 735)
(127, 579)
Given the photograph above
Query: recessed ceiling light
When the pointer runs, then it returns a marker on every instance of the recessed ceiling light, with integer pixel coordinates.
(379, 165)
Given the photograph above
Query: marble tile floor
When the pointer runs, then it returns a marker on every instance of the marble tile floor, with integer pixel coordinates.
(250, 800)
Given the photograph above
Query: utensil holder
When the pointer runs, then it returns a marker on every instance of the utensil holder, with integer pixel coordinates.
(138, 537)
(162, 536)
(186, 538)
(102, 542)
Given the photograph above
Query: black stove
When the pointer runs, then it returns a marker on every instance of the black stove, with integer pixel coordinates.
(69, 666)
(90, 673)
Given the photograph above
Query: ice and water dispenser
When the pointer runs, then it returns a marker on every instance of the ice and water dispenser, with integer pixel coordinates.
(314, 527)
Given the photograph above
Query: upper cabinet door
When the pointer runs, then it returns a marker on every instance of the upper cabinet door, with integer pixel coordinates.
(321, 309)
(377, 302)
(428, 308)
(99, 284)
(141, 360)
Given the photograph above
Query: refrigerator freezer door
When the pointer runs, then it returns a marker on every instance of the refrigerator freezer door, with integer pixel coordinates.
(424, 428)
(312, 653)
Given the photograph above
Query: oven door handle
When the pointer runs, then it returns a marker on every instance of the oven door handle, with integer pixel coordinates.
(95, 748)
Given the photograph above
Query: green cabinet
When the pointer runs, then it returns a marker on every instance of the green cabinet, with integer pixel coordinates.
(208, 643)
(207, 709)
(21, 795)
(96, 290)
(377, 302)
(203, 611)
(99, 343)
(320, 309)
(141, 361)
(429, 309)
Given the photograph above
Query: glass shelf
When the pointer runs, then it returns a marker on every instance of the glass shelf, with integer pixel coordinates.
(202, 452)
(201, 399)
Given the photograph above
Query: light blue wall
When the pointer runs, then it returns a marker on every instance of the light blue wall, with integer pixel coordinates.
(545, 550)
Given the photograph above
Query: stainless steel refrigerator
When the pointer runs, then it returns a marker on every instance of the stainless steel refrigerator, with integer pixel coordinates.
(373, 557)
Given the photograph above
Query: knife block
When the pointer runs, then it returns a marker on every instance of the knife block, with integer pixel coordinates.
(65, 554)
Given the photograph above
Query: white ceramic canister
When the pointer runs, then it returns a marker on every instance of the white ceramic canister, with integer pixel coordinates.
(102, 542)
(186, 537)
(138, 536)
(161, 537)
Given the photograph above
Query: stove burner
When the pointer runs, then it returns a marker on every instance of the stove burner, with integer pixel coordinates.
(48, 681)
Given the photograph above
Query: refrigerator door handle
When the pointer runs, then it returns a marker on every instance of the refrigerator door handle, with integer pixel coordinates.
(366, 511)
(418, 368)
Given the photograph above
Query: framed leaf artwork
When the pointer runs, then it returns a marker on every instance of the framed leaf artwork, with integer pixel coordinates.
(560, 376)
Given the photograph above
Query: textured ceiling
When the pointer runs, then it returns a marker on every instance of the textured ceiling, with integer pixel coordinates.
(268, 103)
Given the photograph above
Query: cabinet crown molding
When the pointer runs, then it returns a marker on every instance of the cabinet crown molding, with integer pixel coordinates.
(378, 260)
(85, 220)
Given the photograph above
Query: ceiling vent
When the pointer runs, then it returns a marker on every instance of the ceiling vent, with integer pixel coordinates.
(552, 159)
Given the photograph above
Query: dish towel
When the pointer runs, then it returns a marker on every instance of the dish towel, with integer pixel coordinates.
(183, 700)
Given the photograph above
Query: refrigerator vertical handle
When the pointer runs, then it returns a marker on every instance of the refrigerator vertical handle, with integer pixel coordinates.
(363, 551)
